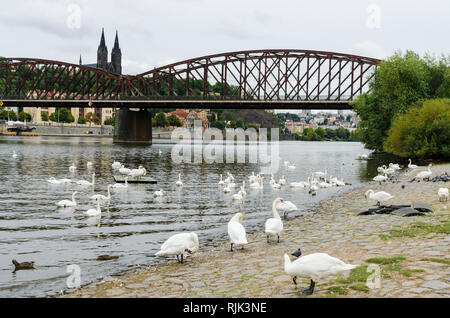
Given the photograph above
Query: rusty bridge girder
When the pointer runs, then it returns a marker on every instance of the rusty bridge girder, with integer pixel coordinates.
(258, 75)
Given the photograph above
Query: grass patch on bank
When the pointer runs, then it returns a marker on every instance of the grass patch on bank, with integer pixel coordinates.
(357, 275)
(418, 228)
(445, 261)
(360, 287)
(339, 290)
(385, 260)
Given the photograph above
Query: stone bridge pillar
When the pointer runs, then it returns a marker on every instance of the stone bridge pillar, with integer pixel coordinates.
(133, 126)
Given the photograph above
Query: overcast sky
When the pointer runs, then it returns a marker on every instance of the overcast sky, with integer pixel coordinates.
(155, 33)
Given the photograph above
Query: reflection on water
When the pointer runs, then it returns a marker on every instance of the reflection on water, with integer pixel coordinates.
(134, 224)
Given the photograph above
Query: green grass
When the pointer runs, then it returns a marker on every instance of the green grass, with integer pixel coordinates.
(360, 287)
(385, 260)
(418, 228)
(445, 261)
(357, 275)
(340, 290)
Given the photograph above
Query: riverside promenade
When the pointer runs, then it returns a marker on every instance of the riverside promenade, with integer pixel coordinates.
(412, 254)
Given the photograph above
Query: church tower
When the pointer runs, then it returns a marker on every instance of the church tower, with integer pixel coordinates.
(102, 53)
(116, 57)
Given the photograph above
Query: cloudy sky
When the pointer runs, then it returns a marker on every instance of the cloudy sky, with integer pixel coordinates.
(154, 33)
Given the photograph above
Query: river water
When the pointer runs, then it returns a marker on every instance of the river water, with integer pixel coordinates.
(135, 224)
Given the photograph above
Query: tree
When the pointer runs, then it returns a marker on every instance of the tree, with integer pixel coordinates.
(161, 120)
(92, 118)
(4, 115)
(81, 120)
(24, 117)
(44, 116)
(399, 82)
(173, 120)
(62, 115)
(422, 132)
(110, 121)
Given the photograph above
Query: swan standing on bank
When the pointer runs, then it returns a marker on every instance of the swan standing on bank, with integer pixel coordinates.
(67, 203)
(124, 171)
(179, 244)
(380, 178)
(236, 231)
(424, 174)
(274, 225)
(378, 196)
(315, 267)
(286, 207)
(411, 166)
(443, 194)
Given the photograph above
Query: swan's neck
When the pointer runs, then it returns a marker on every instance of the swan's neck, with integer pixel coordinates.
(274, 209)
(73, 198)
(287, 263)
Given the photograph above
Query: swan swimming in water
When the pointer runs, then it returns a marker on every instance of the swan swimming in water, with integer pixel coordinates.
(87, 183)
(72, 168)
(315, 267)
(159, 193)
(94, 212)
(274, 225)
(14, 154)
(380, 196)
(119, 186)
(221, 182)
(102, 197)
(67, 203)
(179, 244)
(52, 180)
(179, 182)
(236, 231)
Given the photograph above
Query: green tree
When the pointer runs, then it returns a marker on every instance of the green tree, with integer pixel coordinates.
(81, 120)
(173, 120)
(44, 116)
(24, 117)
(422, 132)
(320, 132)
(62, 115)
(161, 120)
(4, 115)
(399, 82)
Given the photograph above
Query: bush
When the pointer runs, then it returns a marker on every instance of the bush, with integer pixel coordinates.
(173, 120)
(81, 120)
(161, 120)
(4, 115)
(44, 116)
(110, 121)
(422, 132)
(62, 116)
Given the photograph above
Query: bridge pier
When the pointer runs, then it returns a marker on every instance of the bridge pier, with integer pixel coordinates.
(133, 126)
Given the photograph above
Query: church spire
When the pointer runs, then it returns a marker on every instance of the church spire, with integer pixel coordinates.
(81, 62)
(116, 42)
(102, 40)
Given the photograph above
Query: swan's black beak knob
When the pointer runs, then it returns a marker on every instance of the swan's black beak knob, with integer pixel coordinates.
(297, 253)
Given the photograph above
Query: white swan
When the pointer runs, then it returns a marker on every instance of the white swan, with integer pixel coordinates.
(282, 181)
(14, 154)
(325, 184)
(363, 157)
(411, 166)
(380, 196)
(257, 185)
(94, 212)
(315, 267)
(395, 166)
(159, 193)
(124, 171)
(380, 178)
(424, 174)
(286, 207)
(52, 180)
(120, 186)
(274, 225)
(179, 244)
(137, 173)
(89, 165)
(72, 168)
(67, 203)
(321, 174)
(179, 182)
(292, 167)
(221, 182)
(65, 181)
(443, 194)
(101, 197)
(116, 165)
(87, 183)
(236, 231)
(340, 183)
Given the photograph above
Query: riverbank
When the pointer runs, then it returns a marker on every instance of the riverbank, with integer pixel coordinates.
(412, 253)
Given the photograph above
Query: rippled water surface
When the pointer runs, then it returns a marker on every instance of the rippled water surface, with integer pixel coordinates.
(135, 224)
